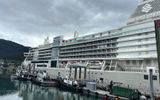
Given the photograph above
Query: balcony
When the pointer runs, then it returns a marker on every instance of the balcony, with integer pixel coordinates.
(136, 38)
(102, 42)
(136, 43)
(87, 53)
(137, 50)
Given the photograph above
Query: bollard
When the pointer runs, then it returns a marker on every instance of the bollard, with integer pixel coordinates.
(106, 97)
(116, 98)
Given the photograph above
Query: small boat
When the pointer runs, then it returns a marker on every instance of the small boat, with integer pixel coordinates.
(23, 75)
(20, 75)
(43, 79)
(69, 84)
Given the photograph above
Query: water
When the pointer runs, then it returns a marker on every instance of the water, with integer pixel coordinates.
(18, 90)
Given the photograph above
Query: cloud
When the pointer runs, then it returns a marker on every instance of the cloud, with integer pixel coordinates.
(29, 21)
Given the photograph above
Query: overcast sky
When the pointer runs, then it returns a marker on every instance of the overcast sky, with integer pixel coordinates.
(28, 22)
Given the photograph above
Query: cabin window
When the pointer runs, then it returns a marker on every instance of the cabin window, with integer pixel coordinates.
(41, 65)
(134, 62)
(139, 46)
(146, 77)
(154, 77)
(127, 62)
(146, 46)
(146, 39)
(147, 52)
(140, 62)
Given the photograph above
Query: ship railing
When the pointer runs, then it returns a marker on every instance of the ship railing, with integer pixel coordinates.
(126, 69)
(138, 70)
(89, 44)
(135, 70)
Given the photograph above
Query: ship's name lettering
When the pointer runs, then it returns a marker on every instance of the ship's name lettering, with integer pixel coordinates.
(146, 16)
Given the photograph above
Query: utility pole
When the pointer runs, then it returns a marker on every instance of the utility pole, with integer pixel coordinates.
(89, 72)
(151, 84)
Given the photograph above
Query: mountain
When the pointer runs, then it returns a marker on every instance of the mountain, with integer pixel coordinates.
(11, 50)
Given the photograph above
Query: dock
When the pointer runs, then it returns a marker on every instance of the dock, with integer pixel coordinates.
(102, 94)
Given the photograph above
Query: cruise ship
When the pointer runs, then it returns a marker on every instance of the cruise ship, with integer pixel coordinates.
(125, 54)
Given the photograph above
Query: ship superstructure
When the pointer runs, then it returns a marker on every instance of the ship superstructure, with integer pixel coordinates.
(125, 54)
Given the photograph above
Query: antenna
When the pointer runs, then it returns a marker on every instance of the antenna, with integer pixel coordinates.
(46, 41)
(76, 34)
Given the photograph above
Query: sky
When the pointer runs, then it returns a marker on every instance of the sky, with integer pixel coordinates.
(28, 22)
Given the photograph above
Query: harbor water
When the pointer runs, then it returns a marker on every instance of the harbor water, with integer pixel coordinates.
(19, 90)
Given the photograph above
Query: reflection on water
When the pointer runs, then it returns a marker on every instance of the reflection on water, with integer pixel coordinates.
(13, 96)
(6, 86)
(18, 90)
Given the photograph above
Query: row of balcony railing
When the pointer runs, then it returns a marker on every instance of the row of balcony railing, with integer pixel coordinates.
(109, 47)
(136, 44)
(115, 34)
(46, 56)
(91, 51)
(102, 42)
(141, 30)
(49, 58)
(114, 41)
(94, 48)
(136, 37)
(88, 57)
(137, 49)
(88, 53)
(45, 51)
